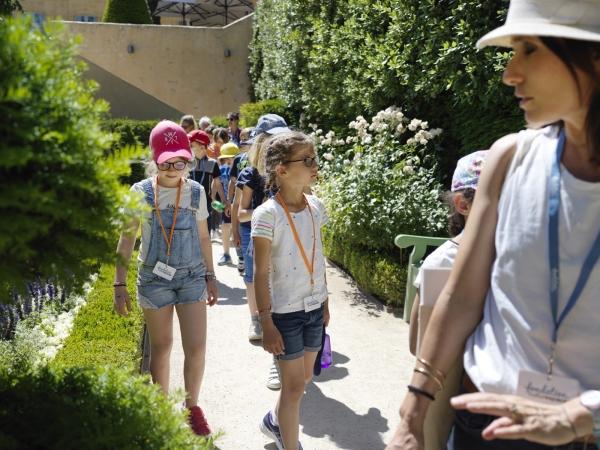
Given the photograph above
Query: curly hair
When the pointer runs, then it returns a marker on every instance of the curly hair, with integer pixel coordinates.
(278, 150)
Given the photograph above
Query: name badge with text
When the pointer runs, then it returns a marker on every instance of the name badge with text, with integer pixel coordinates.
(547, 389)
(164, 271)
(311, 303)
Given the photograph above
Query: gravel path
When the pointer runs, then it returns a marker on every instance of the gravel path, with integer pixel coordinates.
(351, 405)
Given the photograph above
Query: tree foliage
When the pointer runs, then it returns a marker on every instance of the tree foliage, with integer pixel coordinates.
(60, 196)
(344, 59)
(127, 11)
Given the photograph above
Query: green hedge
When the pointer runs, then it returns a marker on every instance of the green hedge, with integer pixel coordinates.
(99, 336)
(60, 193)
(342, 59)
(251, 112)
(378, 273)
(92, 409)
(127, 11)
(129, 132)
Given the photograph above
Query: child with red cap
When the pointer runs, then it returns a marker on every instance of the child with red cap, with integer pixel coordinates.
(175, 268)
(206, 172)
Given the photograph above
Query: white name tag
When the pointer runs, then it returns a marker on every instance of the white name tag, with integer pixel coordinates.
(553, 389)
(311, 303)
(164, 271)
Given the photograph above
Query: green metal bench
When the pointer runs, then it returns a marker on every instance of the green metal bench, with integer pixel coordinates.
(419, 244)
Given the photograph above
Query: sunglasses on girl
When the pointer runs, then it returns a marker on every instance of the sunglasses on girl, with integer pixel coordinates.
(177, 165)
(308, 161)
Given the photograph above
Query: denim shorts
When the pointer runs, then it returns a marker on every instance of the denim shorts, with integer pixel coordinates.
(187, 286)
(301, 332)
(247, 251)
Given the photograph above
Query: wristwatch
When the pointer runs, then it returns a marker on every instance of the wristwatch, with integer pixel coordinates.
(591, 400)
(210, 276)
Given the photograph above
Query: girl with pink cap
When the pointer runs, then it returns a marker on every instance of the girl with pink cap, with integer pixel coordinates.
(175, 265)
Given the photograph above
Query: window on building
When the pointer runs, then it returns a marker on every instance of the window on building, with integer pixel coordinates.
(86, 19)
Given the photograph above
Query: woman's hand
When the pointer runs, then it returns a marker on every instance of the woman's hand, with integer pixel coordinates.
(122, 302)
(326, 315)
(409, 434)
(520, 418)
(406, 439)
(272, 340)
(212, 291)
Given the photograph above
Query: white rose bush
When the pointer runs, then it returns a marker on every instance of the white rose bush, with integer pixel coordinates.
(380, 180)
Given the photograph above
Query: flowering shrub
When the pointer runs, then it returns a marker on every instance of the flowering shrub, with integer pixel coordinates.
(380, 179)
(38, 338)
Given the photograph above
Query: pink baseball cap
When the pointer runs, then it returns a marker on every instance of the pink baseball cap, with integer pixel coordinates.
(168, 140)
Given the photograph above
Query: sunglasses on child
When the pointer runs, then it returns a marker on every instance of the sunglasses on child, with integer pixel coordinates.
(308, 161)
(177, 165)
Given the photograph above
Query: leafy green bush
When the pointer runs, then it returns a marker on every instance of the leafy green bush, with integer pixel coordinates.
(127, 11)
(60, 193)
(378, 273)
(99, 336)
(220, 121)
(380, 180)
(7, 7)
(129, 132)
(344, 59)
(92, 409)
(251, 112)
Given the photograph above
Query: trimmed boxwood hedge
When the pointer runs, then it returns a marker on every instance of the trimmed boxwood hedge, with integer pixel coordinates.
(127, 11)
(99, 336)
(378, 273)
(90, 409)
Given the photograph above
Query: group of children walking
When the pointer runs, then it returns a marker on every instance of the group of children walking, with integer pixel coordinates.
(275, 222)
(276, 225)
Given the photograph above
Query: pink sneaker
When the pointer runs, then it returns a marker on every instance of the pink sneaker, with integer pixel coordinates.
(198, 421)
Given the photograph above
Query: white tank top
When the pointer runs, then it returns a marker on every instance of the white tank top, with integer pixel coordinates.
(516, 329)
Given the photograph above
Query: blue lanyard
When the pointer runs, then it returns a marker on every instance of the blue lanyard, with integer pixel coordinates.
(590, 260)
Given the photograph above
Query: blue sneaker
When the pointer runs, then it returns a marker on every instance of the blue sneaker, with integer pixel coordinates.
(225, 259)
(271, 430)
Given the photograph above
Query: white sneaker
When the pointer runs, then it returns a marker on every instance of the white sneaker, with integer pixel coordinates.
(273, 381)
(255, 332)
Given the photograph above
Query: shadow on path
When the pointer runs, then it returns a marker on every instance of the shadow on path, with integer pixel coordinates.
(231, 296)
(323, 416)
(334, 372)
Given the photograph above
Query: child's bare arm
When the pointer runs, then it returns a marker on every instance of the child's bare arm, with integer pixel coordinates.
(272, 341)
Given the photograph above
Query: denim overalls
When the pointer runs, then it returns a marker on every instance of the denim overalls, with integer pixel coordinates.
(188, 285)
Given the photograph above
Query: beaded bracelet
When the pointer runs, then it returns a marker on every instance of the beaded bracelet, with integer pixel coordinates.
(116, 284)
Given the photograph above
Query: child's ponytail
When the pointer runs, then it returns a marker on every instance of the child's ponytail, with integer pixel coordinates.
(456, 221)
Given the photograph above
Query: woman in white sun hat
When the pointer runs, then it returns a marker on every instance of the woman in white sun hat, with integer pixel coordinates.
(523, 301)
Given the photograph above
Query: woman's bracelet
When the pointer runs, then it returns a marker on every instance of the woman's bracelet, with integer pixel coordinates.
(441, 375)
(428, 374)
(119, 283)
(422, 392)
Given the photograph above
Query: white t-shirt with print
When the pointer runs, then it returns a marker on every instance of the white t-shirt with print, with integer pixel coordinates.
(167, 197)
(289, 277)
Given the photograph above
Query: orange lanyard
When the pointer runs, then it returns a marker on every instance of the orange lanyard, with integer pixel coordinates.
(168, 240)
(310, 267)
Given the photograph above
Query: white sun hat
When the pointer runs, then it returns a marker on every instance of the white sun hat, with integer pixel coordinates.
(571, 19)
